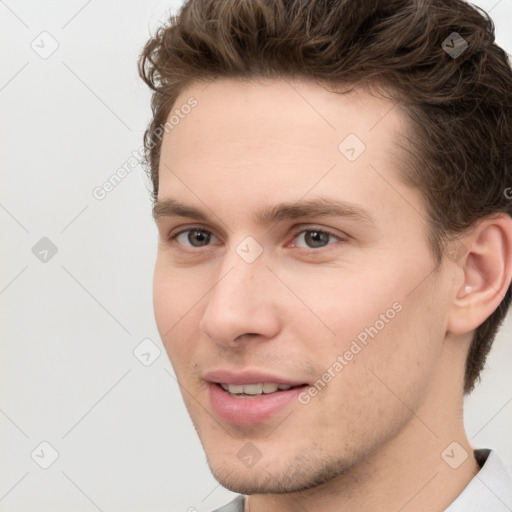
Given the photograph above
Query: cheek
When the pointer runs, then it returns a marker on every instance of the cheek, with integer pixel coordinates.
(400, 360)
(343, 309)
(175, 293)
(173, 302)
(365, 398)
(379, 327)
(164, 301)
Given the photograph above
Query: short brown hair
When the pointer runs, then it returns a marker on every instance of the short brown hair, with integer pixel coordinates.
(460, 148)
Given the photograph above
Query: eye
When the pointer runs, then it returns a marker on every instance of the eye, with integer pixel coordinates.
(314, 238)
(194, 237)
(311, 238)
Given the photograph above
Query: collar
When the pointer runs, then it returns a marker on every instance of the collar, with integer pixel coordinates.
(490, 489)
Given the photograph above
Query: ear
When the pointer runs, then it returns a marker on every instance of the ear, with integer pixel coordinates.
(483, 273)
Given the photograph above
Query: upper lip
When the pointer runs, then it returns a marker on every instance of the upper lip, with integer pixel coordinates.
(248, 377)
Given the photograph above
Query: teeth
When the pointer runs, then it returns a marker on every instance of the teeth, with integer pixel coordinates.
(270, 388)
(235, 389)
(254, 389)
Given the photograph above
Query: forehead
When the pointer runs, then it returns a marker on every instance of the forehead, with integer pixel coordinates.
(261, 113)
(248, 140)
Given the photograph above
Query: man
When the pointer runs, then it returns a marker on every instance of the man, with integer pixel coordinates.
(332, 192)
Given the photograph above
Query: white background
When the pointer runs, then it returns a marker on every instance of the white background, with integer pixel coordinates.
(70, 325)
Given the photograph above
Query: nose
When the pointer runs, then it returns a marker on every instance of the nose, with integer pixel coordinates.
(242, 304)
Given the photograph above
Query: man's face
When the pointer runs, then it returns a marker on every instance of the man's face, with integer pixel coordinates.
(342, 306)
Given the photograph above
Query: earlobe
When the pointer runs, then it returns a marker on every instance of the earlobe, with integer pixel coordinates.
(486, 270)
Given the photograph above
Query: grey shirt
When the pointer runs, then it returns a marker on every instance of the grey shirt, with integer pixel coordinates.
(489, 490)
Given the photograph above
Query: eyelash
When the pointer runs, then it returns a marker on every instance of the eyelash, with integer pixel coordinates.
(303, 229)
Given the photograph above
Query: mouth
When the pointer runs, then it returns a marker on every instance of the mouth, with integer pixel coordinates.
(255, 390)
(250, 398)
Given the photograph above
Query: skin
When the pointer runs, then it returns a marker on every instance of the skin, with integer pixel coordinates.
(373, 438)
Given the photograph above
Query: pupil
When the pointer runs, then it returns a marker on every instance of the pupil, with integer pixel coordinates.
(198, 236)
(316, 238)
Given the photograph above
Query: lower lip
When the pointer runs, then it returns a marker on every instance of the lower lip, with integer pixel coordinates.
(250, 411)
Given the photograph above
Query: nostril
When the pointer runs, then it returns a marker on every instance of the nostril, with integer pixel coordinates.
(247, 334)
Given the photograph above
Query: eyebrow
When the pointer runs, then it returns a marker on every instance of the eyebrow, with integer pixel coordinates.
(318, 207)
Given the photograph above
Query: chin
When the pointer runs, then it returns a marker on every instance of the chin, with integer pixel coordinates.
(276, 476)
